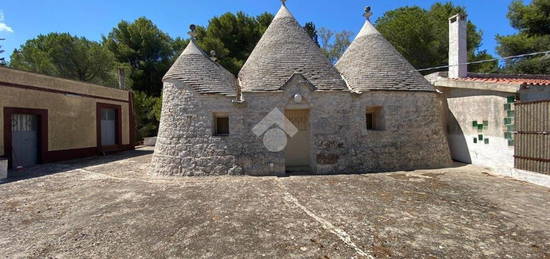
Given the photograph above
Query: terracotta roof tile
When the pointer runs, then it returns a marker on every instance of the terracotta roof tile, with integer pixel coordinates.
(508, 79)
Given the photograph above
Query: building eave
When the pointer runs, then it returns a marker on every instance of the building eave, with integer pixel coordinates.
(439, 81)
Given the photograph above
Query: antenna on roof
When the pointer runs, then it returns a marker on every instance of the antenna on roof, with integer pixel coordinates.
(192, 31)
(283, 2)
(368, 12)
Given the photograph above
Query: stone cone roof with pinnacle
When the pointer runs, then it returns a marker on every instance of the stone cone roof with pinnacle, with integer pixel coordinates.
(286, 49)
(372, 63)
(197, 70)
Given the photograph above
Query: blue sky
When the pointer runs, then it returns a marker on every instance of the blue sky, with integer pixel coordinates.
(23, 20)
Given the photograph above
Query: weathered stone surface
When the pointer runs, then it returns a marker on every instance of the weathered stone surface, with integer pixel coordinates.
(372, 63)
(285, 49)
(413, 137)
(327, 159)
(109, 207)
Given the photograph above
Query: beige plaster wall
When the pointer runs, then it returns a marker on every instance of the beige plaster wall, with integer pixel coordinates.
(55, 83)
(71, 118)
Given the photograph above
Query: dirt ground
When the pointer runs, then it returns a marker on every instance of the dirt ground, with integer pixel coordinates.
(110, 207)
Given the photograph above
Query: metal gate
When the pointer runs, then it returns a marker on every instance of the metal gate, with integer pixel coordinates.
(532, 142)
(24, 130)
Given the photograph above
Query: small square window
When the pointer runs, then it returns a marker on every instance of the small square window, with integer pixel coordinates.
(374, 118)
(221, 124)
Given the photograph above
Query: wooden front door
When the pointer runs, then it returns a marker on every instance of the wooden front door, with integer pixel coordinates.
(297, 151)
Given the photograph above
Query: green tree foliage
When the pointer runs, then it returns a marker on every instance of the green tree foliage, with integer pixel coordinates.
(149, 53)
(334, 44)
(312, 32)
(2, 59)
(533, 23)
(146, 49)
(64, 55)
(233, 37)
(147, 109)
(422, 36)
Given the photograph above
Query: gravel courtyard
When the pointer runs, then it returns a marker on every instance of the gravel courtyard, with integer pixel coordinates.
(110, 207)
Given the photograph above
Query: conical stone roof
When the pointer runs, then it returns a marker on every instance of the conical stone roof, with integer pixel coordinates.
(372, 63)
(286, 49)
(197, 70)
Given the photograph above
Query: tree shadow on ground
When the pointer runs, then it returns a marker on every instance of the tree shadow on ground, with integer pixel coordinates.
(65, 166)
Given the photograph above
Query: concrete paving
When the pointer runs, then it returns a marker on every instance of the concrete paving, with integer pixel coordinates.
(111, 207)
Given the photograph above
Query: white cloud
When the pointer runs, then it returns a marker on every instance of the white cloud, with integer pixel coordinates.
(4, 26)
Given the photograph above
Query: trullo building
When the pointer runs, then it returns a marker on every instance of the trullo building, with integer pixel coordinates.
(370, 112)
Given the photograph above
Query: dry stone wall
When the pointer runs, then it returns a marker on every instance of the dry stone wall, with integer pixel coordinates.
(413, 136)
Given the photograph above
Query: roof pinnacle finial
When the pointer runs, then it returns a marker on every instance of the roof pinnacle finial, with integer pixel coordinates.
(368, 13)
(192, 31)
(283, 2)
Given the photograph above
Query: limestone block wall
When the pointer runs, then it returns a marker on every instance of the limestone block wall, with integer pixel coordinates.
(339, 142)
(331, 125)
(185, 142)
(413, 136)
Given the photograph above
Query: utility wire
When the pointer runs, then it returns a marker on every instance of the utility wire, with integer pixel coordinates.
(488, 60)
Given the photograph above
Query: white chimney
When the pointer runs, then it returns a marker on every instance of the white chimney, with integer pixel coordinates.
(458, 49)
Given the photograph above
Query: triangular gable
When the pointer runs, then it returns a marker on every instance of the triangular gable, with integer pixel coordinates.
(299, 80)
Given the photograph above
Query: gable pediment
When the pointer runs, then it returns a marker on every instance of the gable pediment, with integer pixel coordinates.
(298, 80)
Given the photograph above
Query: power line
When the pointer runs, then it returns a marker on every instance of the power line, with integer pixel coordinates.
(488, 60)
